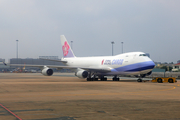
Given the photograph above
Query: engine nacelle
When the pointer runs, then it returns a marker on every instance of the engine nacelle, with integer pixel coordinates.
(82, 74)
(47, 71)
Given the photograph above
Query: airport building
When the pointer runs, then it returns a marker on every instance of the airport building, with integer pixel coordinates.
(178, 61)
(2, 66)
(2, 60)
(37, 61)
(32, 61)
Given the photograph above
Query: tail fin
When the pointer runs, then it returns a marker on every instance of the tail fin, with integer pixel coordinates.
(67, 51)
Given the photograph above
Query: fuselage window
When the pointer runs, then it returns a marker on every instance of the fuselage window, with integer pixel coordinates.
(142, 55)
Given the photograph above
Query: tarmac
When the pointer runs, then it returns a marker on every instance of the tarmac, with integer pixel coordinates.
(32, 96)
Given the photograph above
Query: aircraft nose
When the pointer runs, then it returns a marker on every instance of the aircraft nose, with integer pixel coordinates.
(151, 64)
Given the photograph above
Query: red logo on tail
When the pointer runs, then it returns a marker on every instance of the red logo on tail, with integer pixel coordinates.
(65, 48)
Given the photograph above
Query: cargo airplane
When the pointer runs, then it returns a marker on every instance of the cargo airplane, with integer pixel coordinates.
(94, 68)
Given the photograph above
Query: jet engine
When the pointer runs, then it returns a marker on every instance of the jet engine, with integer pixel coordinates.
(81, 74)
(47, 71)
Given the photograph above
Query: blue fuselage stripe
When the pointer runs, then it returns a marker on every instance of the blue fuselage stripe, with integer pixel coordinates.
(135, 67)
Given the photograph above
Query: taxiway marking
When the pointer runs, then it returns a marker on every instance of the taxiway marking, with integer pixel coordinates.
(10, 112)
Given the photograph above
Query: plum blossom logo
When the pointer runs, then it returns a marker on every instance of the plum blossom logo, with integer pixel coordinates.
(65, 48)
(102, 62)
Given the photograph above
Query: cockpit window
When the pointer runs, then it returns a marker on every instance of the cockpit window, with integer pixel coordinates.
(142, 55)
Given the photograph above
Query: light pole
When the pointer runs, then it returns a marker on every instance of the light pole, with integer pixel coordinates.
(71, 44)
(17, 48)
(122, 47)
(112, 47)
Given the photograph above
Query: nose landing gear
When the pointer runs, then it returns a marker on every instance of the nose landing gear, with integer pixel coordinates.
(140, 76)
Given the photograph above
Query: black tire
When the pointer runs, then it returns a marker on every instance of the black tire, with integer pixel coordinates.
(115, 79)
(103, 79)
(88, 79)
(139, 80)
(96, 79)
(159, 80)
(170, 80)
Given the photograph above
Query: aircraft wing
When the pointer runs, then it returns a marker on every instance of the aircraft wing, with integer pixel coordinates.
(85, 68)
(29, 65)
(97, 69)
(94, 69)
(54, 60)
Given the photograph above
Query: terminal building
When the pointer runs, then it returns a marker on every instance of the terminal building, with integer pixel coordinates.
(32, 61)
(37, 61)
(2, 66)
(2, 60)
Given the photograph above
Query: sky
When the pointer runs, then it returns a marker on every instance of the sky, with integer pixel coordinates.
(150, 26)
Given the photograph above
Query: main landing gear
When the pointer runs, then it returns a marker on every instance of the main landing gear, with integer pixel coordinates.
(103, 78)
(92, 77)
(115, 78)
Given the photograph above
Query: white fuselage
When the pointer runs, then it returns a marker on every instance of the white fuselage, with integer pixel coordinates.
(133, 63)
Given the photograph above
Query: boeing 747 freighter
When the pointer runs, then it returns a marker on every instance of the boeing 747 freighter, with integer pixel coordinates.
(94, 68)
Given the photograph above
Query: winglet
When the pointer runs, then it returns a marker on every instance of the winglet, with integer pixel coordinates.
(67, 51)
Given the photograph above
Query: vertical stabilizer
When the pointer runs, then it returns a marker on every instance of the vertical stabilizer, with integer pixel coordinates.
(67, 51)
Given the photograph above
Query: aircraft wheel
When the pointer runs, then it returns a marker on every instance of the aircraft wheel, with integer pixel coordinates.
(102, 79)
(96, 79)
(115, 79)
(139, 80)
